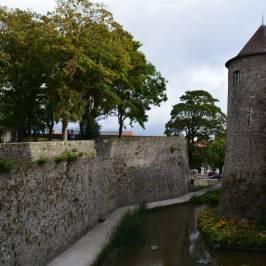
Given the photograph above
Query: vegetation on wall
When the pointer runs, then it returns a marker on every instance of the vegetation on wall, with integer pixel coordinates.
(69, 156)
(42, 161)
(6, 165)
(74, 64)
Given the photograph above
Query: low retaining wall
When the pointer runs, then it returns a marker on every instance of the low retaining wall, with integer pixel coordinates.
(44, 209)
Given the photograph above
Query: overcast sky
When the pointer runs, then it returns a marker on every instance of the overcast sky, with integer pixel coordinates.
(188, 41)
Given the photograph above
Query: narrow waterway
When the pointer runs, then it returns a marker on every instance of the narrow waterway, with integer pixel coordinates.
(172, 239)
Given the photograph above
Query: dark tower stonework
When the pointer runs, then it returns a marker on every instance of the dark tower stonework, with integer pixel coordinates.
(244, 181)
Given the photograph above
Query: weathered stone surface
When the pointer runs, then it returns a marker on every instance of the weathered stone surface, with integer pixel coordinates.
(244, 182)
(36, 150)
(44, 209)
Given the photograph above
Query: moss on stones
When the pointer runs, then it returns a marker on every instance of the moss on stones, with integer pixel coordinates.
(6, 166)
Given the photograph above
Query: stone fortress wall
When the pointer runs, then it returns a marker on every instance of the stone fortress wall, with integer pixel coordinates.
(44, 209)
(244, 182)
(37, 150)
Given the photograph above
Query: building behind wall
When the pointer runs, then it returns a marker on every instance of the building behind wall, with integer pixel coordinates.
(244, 182)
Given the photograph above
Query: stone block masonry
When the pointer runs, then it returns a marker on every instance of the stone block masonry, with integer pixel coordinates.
(44, 209)
(244, 182)
(37, 150)
(244, 177)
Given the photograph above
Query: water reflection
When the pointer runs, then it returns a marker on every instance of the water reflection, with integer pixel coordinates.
(174, 231)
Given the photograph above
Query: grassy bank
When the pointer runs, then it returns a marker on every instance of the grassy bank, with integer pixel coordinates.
(128, 234)
(232, 234)
(211, 197)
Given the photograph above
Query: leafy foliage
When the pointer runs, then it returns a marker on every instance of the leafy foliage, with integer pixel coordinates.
(215, 152)
(209, 153)
(138, 88)
(25, 46)
(129, 233)
(69, 156)
(211, 197)
(75, 64)
(231, 233)
(197, 118)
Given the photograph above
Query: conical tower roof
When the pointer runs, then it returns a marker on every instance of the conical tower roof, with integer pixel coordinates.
(255, 46)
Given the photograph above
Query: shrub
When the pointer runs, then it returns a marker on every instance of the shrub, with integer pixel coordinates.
(211, 197)
(60, 158)
(42, 161)
(172, 149)
(69, 156)
(232, 234)
(128, 234)
(6, 165)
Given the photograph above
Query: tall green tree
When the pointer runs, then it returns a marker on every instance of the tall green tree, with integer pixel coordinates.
(197, 118)
(76, 64)
(87, 68)
(215, 152)
(139, 85)
(25, 51)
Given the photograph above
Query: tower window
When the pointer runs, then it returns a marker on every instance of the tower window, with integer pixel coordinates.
(236, 78)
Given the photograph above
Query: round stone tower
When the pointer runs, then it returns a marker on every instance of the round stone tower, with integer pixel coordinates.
(244, 181)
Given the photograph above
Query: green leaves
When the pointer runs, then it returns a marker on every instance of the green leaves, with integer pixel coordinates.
(139, 87)
(25, 66)
(231, 234)
(74, 64)
(196, 117)
(215, 152)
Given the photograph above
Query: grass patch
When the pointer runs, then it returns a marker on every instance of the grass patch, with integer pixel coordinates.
(6, 166)
(128, 234)
(211, 197)
(41, 161)
(232, 234)
(197, 188)
(69, 156)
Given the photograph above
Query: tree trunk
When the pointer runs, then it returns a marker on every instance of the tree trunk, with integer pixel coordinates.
(64, 129)
(34, 136)
(120, 130)
(84, 123)
(121, 123)
(21, 134)
(190, 144)
(81, 128)
(15, 135)
(28, 130)
(50, 127)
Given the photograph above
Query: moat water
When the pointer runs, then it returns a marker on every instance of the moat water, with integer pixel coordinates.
(172, 239)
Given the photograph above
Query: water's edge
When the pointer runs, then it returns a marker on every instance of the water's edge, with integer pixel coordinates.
(85, 251)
